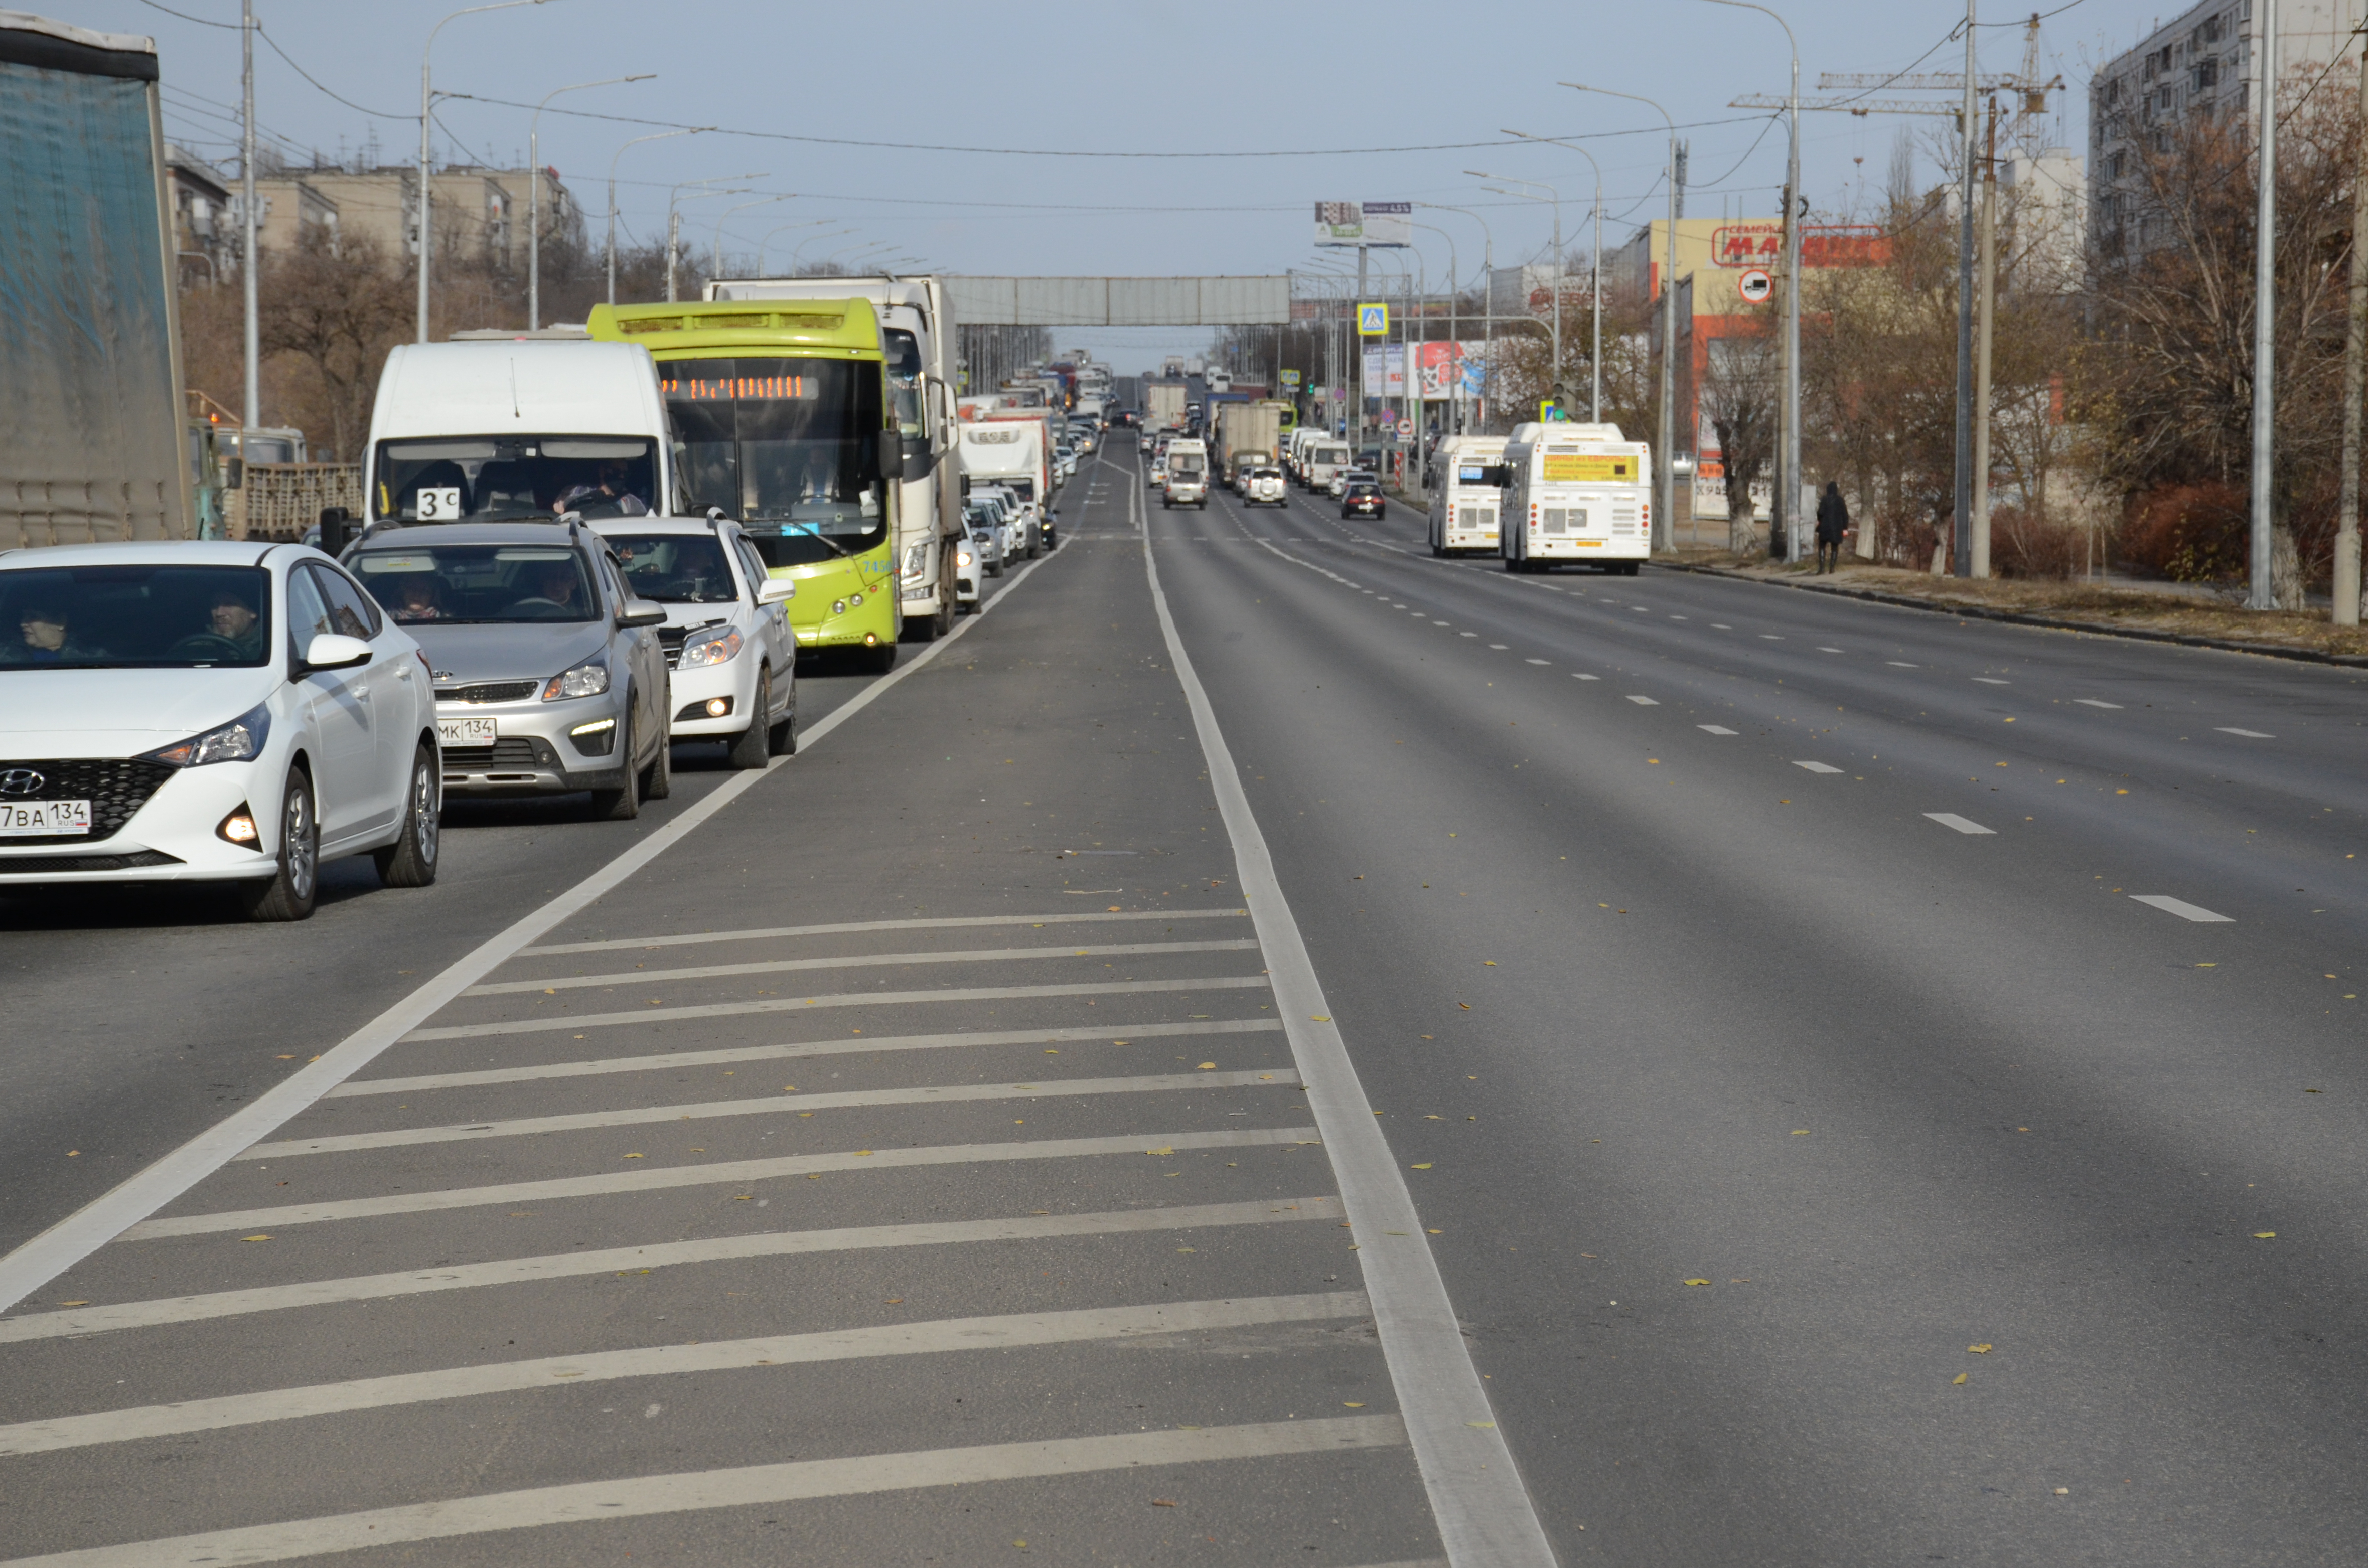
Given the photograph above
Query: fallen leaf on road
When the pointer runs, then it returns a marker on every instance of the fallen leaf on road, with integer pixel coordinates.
(254, 1238)
(2258, 1235)
(1159, 1151)
(2064, 1492)
(1960, 1377)
(1800, 1132)
(1697, 1282)
(1163, 1502)
(1421, 1167)
(633, 1156)
(1978, 1349)
(1352, 1404)
(1205, 1066)
(863, 1150)
(1465, 1006)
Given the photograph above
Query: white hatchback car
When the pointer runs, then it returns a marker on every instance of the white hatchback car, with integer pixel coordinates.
(208, 711)
(728, 644)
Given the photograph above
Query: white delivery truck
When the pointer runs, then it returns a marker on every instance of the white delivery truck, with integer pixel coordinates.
(1013, 448)
(1464, 503)
(1187, 475)
(1576, 493)
(1174, 367)
(1248, 435)
(918, 334)
(1163, 405)
(1196, 366)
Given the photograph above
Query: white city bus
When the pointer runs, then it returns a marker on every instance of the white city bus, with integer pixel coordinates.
(1576, 495)
(1464, 503)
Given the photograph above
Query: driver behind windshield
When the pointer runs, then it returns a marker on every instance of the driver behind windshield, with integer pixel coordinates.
(231, 619)
(553, 591)
(610, 495)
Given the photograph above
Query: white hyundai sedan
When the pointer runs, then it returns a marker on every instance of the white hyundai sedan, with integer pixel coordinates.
(208, 711)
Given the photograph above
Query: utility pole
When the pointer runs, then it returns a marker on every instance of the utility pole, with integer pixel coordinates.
(2356, 328)
(2264, 594)
(248, 262)
(1981, 514)
(1962, 551)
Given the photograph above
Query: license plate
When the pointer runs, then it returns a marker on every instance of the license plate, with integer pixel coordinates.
(43, 819)
(466, 731)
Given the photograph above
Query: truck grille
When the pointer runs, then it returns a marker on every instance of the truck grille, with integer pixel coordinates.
(489, 692)
(115, 787)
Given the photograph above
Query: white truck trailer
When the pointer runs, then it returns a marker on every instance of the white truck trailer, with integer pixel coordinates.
(1163, 405)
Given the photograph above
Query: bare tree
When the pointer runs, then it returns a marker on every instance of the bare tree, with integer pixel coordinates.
(1740, 397)
(338, 308)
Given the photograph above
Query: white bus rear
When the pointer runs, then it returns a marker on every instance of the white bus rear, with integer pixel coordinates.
(1465, 505)
(1578, 495)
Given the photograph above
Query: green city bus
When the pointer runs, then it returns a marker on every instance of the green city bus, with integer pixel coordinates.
(782, 418)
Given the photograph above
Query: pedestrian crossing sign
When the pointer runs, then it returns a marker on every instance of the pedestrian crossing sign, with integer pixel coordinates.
(1373, 321)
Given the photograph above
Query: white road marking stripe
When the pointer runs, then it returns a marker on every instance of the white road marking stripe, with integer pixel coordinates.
(1484, 1515)
(1467, 634)
(694, 1491)
(1951, 819)
(1642, 702)
(777, 1105)
(2092, 702)
(928, 1338)
(1587, 678)
(2248, 734)
(1902, 665)
(1715, 729)
(1535, 661)
(838, 999)
(857, 927)
(30, 1266)
(790, 1051)
(1991, 680)
(733, 1172)
(1769, 637)
(2183, 909)
(1818, 767)
(1721, 626)
(1823, 649)
(853, 960)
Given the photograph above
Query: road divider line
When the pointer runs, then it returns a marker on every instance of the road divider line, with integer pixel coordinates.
(2092, 702)
(1484, 1513)
(789, 1051)
(859, 927)
(738, 1173)
(35, 1263)
(657, 1254)
(1818, 767)
(1715, 729)
(1279, 1077)
(854, 960)
(937, 1336)
(699, 1491)
(2183, 909)
(1962, 825)
(2248, 734)
(836, 999)
(1642, 702)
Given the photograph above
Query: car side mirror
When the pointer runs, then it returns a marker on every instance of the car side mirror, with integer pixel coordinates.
(332, 650)
(641, 612)
(773, 590)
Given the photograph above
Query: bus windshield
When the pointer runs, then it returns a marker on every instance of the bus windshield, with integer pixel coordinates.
(788, 446)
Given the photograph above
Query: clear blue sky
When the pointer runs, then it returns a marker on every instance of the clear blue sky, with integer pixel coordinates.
(1325, 84)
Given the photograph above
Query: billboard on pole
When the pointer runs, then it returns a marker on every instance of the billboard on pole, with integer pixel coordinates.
(1386, 223)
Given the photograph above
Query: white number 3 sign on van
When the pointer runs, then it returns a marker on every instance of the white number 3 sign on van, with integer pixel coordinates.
(439, 503)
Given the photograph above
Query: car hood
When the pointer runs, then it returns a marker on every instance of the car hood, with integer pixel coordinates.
(515, 651)
(118, 712)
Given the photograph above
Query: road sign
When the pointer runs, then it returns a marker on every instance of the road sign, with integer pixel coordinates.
(1551, 411)
(1291, 377)
(1373, 321)
(1405, 430)
(1755, 286)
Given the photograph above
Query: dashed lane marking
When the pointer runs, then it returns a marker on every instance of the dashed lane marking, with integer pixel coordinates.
(2183, 909)
(2092, 702)
(1715, 729)
(1537, 661)
(1962, 825)
(1818, 767)
(1642, 702)
(2248, 734)
(1992, 680)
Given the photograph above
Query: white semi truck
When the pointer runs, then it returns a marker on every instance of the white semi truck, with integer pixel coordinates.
(916, 330)
(1163, 405)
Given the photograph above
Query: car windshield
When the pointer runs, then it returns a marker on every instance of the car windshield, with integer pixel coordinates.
(134, 616)
(478, 585)
(788, 446)
(1185, 462)
(675, 569)
(453, 479)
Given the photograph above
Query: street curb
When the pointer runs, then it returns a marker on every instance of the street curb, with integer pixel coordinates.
(2017, 618)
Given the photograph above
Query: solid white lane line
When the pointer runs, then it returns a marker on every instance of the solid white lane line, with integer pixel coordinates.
(1963, 825)
(2092, 702)
(857, 927)
(1642, 702)
(1715, 729)
(928, 1337)
(791, 1051)
(1818, 767)
(733, 1172)
(697, 1490)
(30, 1266)
(1484, 1515)
(854, 960)
(777, 1105)
(840, 999)
(2183, 909)
(1992, 680)
(2248, 734)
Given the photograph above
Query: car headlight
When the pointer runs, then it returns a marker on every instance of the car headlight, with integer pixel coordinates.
(241, 740)
(715, 648)
(961, 558)
(917, 560)
(583, 680)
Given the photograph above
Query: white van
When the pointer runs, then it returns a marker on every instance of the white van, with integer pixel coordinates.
(1327, 459)
(1187, 475)
(1464, 503)
(1576, 493)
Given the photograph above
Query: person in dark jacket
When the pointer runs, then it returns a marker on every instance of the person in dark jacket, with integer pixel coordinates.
(1833, 522)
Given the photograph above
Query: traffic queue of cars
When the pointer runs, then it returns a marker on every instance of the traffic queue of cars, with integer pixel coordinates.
(534, 603)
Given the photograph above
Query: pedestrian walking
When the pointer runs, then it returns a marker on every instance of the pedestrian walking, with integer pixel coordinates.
(1833, 522)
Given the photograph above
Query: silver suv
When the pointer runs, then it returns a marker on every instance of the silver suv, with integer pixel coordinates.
(548, 676)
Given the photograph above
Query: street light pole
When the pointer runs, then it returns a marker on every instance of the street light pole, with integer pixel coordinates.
(1488, 291)
(253, 339)
(1554, 381)
(673, 219)
(658, 136)
(1595, 280)
(802, 223)
(800, 248)
(427, 91)
(1664, 522)
(761, 201)
(2264, 594)
(535, 194)
(1962, 548)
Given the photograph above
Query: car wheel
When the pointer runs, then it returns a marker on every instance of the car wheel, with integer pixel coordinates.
(658, 779)
(783, 738)
(289, 892)
(410, 861)
(942, 623)
(751, 746)
(621, 804)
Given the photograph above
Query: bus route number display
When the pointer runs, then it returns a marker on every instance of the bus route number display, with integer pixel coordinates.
(1569, 469)
(726, 389)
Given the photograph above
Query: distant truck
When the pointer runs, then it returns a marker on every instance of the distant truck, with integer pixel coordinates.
(1174, 367)
(1248, 435)
(1163, 405)
(1014, 446)
(97, 444)
(1196, 366)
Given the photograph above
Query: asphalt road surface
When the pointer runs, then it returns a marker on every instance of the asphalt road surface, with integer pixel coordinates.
(1872, 1087)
